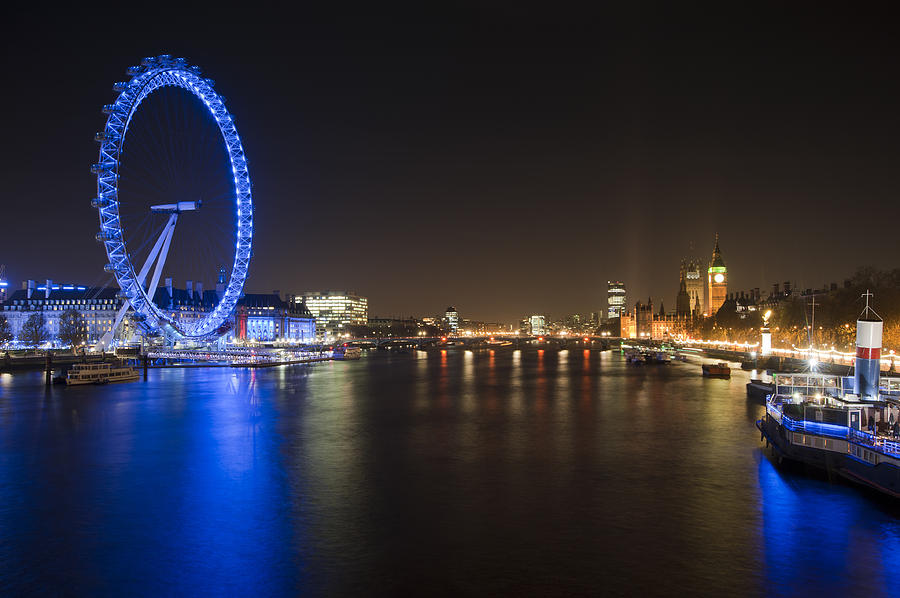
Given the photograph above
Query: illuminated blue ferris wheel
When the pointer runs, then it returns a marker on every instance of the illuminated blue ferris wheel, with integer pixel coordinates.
(173, 170)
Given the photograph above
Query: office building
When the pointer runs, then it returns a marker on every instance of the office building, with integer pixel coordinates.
(335, 311)
(451, 320)
(537, 325)
(615, 298)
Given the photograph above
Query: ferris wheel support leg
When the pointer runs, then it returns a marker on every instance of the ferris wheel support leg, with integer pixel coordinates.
(167, 234)
(156, 247)
(161, 245)
(107, 338)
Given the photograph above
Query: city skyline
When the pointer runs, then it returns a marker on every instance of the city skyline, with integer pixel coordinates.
(506, 169)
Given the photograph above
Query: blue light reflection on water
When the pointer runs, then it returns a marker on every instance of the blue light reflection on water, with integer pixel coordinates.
(826, 538)
(158, 489)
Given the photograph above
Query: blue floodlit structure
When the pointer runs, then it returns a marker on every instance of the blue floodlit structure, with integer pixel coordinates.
(154, 73)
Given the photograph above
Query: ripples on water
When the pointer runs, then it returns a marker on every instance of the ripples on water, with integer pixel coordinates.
(506, 472)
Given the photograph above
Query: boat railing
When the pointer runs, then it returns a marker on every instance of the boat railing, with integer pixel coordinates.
(819, 428)
(834, 431)
(861, 436)
(889, 446)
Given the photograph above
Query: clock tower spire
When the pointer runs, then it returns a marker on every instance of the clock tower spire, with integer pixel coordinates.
(718, 279)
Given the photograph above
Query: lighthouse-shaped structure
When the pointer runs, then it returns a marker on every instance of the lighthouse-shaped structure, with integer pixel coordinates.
(867, 370)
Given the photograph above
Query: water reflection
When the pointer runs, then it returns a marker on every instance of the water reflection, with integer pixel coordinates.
(500, 471)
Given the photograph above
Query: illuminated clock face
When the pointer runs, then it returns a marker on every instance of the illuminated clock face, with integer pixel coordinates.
(719, 277)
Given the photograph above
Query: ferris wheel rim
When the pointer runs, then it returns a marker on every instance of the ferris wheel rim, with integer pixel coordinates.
(151, 75)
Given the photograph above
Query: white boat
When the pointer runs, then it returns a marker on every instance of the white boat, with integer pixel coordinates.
(100, 373)
(345, 353)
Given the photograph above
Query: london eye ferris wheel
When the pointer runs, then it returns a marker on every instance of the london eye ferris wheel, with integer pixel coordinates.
(171, 157)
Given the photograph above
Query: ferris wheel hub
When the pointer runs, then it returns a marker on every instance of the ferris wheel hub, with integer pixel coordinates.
(176, 208)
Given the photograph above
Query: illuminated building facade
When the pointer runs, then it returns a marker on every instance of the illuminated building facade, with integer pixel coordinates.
(96, 306)
(643, 318)
(615, 298)
(267, 317)
(627, 325)
(187, 305)
(451, 320)
(693, 285)
(537, 325)
(668, 327)
(717, 280)
(335, 310)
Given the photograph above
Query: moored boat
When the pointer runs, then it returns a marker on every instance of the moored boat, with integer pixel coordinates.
(99, 373)
(757, 389)
(716, 370)
(844, 424)
(346, 353)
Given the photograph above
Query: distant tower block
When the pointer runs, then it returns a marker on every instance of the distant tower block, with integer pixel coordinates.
(717, 280)
(867, 370)
(615, 298)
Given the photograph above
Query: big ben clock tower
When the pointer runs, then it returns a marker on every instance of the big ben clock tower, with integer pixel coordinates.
(718, 280)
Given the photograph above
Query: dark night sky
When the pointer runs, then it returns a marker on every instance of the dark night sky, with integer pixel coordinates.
(499, 160)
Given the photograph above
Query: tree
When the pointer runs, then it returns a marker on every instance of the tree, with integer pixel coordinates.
(6, 334)
(71, 328)
(34, 330)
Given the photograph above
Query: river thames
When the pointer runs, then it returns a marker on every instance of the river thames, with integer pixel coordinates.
(440, 473)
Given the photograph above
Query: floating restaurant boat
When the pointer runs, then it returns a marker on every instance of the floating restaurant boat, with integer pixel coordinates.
(716, 370)
(844, 424)
(99, 373)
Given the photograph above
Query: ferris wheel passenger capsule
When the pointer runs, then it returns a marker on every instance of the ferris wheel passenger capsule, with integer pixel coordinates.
(108, 235)
(101, 137)
(102, 167)
(134, 70)
(120, 86)
(101, 202)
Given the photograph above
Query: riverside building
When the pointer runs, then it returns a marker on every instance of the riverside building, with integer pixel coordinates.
(96, 306)
(267, 317)
(335, 311)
